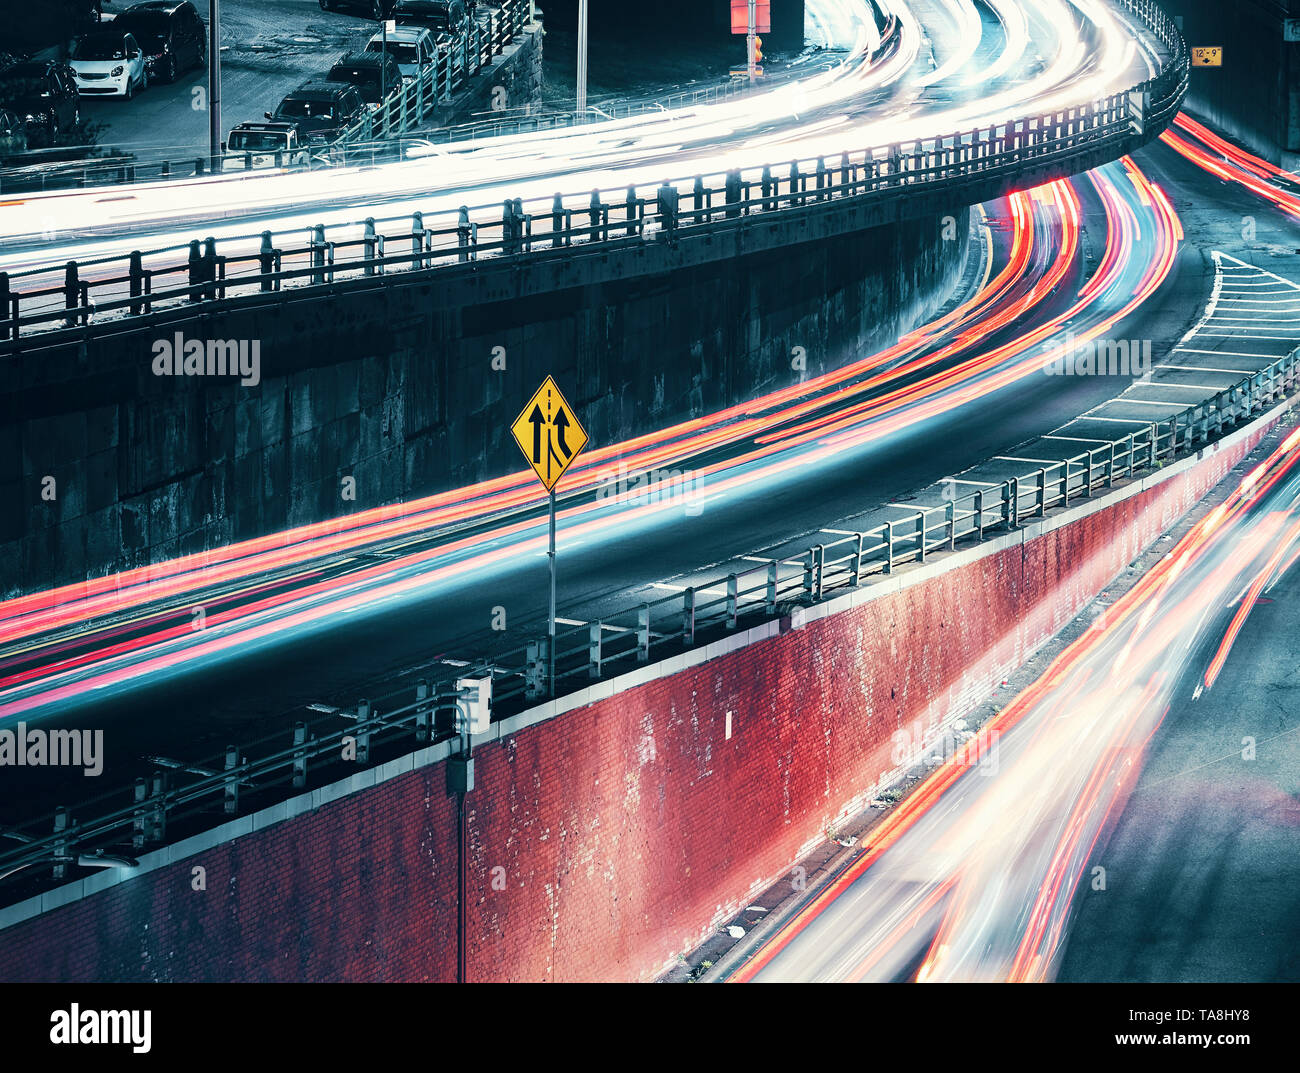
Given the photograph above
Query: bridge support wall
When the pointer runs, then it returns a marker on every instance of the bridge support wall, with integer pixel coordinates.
(408, 383)
(611, 831)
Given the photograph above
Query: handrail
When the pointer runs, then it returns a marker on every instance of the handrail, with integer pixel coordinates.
(683, 621)
(639, 214)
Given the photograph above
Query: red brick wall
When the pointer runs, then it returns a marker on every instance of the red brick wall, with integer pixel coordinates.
(623, 828)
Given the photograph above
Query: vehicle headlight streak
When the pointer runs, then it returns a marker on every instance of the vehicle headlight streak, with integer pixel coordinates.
(53, 672)
(607, 156)
(974, 875)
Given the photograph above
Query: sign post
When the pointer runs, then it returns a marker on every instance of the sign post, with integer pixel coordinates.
(551, 437)
(582, 57)
(751, 18)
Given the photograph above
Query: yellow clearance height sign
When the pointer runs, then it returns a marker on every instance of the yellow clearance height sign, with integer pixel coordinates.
(549, 434)
(1211, 56)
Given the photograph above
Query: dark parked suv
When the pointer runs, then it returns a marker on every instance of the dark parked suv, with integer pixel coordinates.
(440, 16)
(44, 95)
(171, 33)
(372, 73)
(320, 110)
(371, 9)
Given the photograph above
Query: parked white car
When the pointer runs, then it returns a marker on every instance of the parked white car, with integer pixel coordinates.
(413, 47)
(108, 63)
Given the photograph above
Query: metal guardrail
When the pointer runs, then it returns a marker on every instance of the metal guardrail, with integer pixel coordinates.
(469, 53)
(367, 140)
(681, 621)
(146, 281)
(414, 718)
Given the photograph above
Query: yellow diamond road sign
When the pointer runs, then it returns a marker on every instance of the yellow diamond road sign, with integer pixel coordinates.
(549, 434)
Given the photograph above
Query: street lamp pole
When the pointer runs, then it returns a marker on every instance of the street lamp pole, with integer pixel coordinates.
(214, 79)
(582, 56)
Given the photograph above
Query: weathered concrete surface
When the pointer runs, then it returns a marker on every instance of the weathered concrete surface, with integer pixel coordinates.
(1255, 95)
(396, 382)
(607, 839)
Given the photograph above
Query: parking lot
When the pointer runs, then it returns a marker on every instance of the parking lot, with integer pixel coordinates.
(270, 47)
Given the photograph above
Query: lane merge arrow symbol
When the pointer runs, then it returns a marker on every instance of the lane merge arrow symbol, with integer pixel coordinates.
(549, 434)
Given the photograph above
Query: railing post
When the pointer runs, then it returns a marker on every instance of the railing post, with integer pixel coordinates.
(668, 204)
(196, 271)
(643, 633)
(266, 260)
(593, 650)
(139, 817)
(557, 222)
(417, 240)
(136, 272)
(462, 233)
(299, 756)
(631, 206)
(210, 268)
(368, 240)
(230, 794)
(71, 293)
(1042, 492)
(889, 547)
(922, 518)
(855, 562)
(423, 712)
(950, 516)
(60, 847)
(773, 580)
(318, 254)
(6, 306)
(733, 601)
(979, 514)
(534, 671)
(158, 815)
(688, 617)
(363, 732)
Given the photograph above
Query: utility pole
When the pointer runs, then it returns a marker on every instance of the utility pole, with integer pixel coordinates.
(214, 79)
(582, 56)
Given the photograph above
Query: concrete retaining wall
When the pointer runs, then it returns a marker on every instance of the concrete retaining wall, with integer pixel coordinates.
(397, 382)
(612, 830)
(1253, 96)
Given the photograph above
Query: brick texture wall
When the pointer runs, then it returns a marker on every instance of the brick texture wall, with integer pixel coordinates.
(619, 832)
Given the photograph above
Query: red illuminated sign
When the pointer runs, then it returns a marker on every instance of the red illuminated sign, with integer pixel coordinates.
(740, 16)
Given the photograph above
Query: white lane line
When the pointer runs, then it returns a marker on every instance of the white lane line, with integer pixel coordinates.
(1226, 354)
(1252, 338)
(1076, 439)
(1148, 402)
(1198, 369)
(1182, 386)
(1187, 387)
(1035, 461)
(1114, 421)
